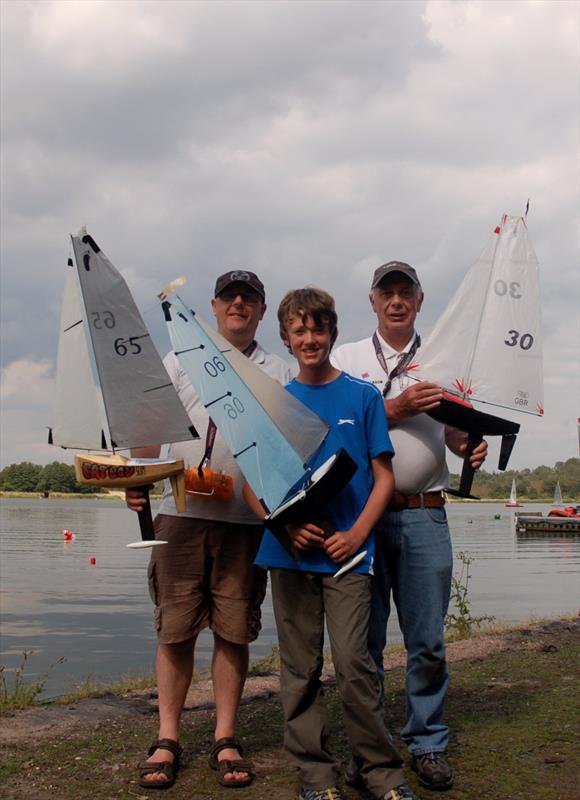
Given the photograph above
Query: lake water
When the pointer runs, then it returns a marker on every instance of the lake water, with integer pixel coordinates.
(98, 616)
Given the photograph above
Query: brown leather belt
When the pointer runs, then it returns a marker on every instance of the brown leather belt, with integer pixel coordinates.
(399, 502)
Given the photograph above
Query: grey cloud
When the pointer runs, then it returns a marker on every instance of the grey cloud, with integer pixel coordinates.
(310, 141)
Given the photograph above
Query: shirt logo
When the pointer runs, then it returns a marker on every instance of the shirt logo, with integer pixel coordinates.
(345, 422)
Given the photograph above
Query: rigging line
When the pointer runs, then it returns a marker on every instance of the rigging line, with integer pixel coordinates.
(508, 408)
(213, 402)
(471, 358)
(189, 349)
(249, 447)
(156, 388)
(70, 327)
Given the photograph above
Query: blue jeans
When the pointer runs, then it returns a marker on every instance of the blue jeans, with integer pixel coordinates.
(414, 561)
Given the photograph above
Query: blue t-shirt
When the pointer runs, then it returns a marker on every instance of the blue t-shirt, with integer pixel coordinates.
(355, 413)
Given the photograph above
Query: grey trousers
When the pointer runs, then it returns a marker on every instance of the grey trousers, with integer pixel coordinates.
(301, 602)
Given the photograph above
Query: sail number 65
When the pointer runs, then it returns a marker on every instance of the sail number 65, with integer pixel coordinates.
(107, 319)
(525, 341)
(122, 346)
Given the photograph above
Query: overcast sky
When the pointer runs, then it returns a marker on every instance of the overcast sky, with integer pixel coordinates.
(309, 141)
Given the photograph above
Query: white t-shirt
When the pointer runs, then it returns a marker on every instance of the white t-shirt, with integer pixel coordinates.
(234, 510)
(419, 461)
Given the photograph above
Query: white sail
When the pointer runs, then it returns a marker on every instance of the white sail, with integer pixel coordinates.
(253, 413)
(486, 346)
(77, 419)
(557, 501)
(303, 429)
(513, 496)
(141, 404)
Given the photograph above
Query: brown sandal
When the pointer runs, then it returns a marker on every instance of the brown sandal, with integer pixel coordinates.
(168, 768)
(230, 764)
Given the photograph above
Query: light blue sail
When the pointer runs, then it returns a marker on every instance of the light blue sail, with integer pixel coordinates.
(269, 432)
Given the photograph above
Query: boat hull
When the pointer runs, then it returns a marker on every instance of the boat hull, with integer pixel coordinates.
(113, 471)
(531, 524)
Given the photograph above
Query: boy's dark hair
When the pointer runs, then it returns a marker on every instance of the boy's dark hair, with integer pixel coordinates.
(308, 302)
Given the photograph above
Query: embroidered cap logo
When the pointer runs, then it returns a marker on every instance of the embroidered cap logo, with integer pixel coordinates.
(239, 276)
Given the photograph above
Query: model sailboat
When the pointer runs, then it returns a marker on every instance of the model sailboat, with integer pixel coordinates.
(558, 501)
(486, 347)
(131, 403)
(513, 501)
(270, 433)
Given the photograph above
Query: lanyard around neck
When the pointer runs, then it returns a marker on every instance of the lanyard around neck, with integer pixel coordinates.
(401, 365)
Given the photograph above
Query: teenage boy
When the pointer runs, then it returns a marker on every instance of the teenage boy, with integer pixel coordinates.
(305, 593)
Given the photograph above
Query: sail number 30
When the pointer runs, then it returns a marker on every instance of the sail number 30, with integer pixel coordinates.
(525, 341)
(502, 288)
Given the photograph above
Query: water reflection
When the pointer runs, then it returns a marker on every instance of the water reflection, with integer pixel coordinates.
(56, 603)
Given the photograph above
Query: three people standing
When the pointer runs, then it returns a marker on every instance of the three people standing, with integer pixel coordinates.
(412, 561)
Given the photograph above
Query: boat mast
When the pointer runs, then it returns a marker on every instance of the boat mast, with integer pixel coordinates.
(467, 381)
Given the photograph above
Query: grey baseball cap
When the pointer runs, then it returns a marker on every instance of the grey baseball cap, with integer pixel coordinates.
(240, 276)
(394, 266)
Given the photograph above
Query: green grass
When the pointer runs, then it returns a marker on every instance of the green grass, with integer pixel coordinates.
(513, 718)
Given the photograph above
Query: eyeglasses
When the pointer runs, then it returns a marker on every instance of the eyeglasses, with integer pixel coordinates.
(248, 296)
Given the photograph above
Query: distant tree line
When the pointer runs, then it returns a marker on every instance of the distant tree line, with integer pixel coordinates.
(55, 477)
(531, 484)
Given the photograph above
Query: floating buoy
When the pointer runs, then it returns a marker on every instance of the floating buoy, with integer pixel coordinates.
(93, 560)
(497, 516)
(68, 535)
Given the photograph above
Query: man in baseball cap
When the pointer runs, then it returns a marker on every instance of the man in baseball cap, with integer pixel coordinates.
(413, 557)
(393, 267)
(205, 577)
(244, 278)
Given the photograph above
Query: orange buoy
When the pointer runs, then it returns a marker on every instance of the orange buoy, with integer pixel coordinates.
(93, 560)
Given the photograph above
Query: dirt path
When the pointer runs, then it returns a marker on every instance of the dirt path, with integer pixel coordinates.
(512, 710)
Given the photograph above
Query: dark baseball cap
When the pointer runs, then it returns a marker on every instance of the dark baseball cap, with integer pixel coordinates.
(240, 276)
(394, 266)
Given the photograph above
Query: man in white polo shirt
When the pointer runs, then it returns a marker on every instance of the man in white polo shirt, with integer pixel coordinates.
(205, 576)
(413, 556)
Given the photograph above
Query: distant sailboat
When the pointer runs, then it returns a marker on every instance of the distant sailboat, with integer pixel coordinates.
(557, 501)
(486, 347)
(513, 501)
(132, 403)
(270, 433)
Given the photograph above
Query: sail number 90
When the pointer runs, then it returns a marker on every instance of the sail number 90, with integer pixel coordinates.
(214, 366)
(235, 407)
(525, 341)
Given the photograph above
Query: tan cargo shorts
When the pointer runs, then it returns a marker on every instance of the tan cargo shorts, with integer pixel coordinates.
(205, 578)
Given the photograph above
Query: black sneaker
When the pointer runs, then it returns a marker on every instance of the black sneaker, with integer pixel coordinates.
(434, 771)
(402, 792)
